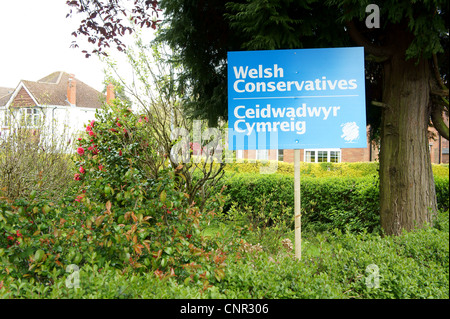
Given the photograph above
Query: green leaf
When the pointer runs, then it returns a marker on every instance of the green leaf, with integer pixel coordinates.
(39, 254)
(163, 196)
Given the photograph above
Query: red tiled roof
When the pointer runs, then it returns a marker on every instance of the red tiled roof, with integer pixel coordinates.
(52, 90)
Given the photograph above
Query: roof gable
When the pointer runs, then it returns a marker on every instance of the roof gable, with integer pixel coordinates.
(52, 90)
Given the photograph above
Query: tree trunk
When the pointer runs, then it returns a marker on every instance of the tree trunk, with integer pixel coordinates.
(407, 190)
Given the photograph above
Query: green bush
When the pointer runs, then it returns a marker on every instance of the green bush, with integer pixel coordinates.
(440, 170)
(357, 169)
(327, 203)
(347, 265)
(442, 192)
(31, 164)
(334, 265)
(117, 213)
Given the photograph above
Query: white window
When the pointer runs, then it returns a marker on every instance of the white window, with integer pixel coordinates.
(262, 155)
(30, 117)
(281, 155)
(332, 155)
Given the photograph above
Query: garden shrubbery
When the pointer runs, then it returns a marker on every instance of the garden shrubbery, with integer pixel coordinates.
(127, 230)
(334, 265)
(31, 164)
(118, 213)
(324, 169)
(328, 202)
(123, 218)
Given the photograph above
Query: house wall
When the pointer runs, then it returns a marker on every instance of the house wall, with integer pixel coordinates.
(370, 153)
(68, 122)
(59, 122)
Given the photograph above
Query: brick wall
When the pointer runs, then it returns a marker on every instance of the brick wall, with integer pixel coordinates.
(437, 145)
(368, 154)
(349, 155)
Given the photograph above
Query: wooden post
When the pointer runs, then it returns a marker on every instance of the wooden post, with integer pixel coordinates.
(297, 205)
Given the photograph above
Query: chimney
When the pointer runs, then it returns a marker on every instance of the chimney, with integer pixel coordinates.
(72, 90)
(109, 93)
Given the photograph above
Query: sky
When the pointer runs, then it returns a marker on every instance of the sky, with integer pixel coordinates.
(35, 39)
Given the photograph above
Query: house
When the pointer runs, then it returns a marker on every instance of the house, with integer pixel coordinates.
(439, 152)
(58, 100)
(334, 155)
(438, 145)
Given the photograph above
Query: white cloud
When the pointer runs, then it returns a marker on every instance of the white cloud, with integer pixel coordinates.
(35, 39)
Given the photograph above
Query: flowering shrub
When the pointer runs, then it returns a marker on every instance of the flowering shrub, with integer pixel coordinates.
(119, 213)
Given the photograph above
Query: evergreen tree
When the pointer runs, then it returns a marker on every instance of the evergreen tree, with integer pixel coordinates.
(406, 71)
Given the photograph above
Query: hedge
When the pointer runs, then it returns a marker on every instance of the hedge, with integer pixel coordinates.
(357, 169)
(329, 202)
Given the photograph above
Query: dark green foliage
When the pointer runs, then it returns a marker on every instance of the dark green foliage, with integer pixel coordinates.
(331, 202)
(200, 38)
(414, 265)
(442, 194)
(201, 32)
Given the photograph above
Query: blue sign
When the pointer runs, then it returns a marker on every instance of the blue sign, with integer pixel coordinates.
(292, 99)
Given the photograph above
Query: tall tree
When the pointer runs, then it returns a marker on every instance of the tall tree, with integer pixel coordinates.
(406, 73)
(410, 35)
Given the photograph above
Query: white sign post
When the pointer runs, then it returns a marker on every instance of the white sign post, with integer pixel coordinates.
(297, 206)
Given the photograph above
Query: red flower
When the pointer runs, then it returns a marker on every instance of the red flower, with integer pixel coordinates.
(10, 237)
(94, 151)
(90, 148)
(118, 124)
(88, 128)
(82, 170)
(80, 151)
(100, 167)
(79, 138)
(77, 177)
(188, 236)
(91, 133)
(92, 123)
(120, 153)
(18, 234)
